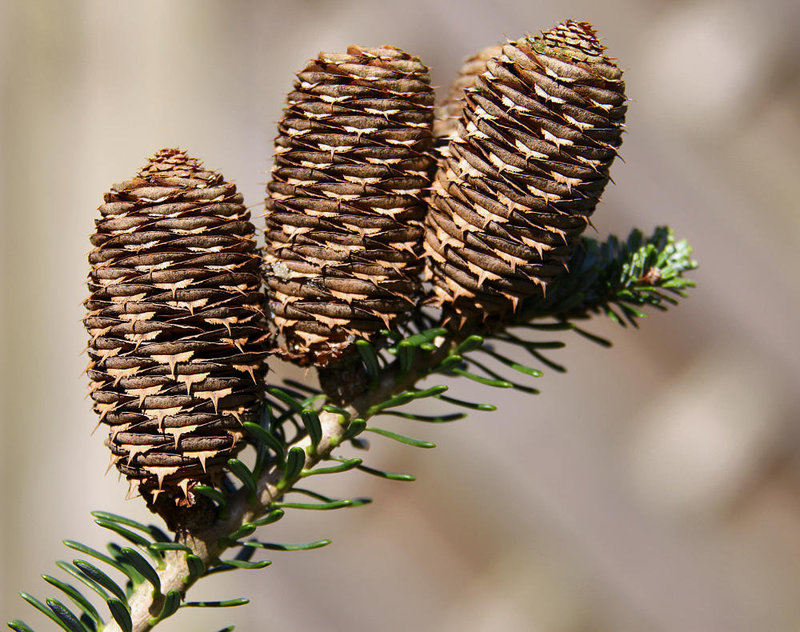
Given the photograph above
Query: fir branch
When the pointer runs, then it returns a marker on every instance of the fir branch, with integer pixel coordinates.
(209, 543)
(636, 273)
(618, 276)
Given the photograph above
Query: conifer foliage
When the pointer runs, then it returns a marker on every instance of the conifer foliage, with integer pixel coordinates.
(179, 329)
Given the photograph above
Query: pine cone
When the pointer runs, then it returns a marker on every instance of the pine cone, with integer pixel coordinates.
(178, 334)
(344, 206)
(523, 171)
(447, 115)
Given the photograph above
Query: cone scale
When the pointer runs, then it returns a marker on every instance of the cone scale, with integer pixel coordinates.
(176, 323)
(345, 201)
(530, 141)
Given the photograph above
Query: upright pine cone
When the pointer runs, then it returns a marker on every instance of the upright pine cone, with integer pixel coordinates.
(447, 115)
(178, 335)
(344, 206)
(524, 169)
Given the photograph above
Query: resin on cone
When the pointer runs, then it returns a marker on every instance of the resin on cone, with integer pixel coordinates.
(176, 320)
(527, 160)
(345, 203)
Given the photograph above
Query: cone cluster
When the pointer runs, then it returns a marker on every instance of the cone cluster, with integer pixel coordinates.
(178, 337)
(527, 160)
(345, 202)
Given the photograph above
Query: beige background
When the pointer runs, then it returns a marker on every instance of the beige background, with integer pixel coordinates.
(656, 487)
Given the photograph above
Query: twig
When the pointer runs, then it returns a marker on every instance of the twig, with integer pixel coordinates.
(208, 544)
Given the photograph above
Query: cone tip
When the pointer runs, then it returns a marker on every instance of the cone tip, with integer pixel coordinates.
(169, 159)
(575, 38)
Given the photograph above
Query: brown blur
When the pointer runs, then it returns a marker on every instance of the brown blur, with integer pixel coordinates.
(655, 487)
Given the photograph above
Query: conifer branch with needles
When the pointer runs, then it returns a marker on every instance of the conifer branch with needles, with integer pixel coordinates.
(363, 206)
(611, 271)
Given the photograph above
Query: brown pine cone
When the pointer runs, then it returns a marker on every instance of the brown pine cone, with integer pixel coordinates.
(176, 319)
(446, 115)
(524, 169)
(344, 206)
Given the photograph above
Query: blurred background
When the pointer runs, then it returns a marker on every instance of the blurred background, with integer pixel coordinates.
(655, 487)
